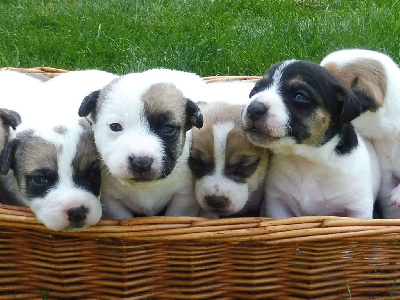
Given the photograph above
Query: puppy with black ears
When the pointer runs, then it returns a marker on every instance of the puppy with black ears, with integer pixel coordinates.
(375, 77)
(141, 124)
(320, 165)
(229, 171)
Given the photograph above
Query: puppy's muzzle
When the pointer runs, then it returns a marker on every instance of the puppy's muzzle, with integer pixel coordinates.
(77, 216)
(218, 203)
(256, 110)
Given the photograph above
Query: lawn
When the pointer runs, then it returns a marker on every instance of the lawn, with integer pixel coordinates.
(242, 37)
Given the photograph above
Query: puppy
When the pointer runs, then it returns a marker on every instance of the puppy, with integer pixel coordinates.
(319, 166)
(53, 161)
(141, 124)
(9, 121)
(375, 78)
(229, 171)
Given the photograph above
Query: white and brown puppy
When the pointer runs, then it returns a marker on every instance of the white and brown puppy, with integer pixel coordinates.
(229, 171)
(319, 166)
(140, 124)
(54, 162)
(375, 78)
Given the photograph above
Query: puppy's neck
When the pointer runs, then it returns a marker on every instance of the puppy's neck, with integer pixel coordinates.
(341, 144)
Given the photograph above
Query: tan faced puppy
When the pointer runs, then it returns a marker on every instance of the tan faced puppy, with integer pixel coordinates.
(375, 78)
(229, 171)
(141, 123)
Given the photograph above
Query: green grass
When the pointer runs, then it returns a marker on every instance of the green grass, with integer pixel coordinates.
(242, 37)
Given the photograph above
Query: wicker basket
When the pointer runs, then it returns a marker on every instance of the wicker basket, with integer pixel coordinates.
(197, 258)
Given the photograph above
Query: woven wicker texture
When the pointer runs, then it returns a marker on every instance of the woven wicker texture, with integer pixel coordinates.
(197, 258)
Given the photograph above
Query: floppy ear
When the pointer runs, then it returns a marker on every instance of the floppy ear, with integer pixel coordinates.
(194, 117)
(10, 117)
(88, 104)
(354, 104)
(7, 156)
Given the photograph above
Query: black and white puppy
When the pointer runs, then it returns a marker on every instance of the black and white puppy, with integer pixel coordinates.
(375, 77)
(229, 171)
(141, 124)
(53, 162)
(319, 166)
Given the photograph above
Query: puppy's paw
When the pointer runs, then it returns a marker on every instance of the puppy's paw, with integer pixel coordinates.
(395, 196)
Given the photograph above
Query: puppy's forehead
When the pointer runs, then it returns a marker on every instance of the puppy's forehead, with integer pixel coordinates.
(214, 113)
(35, 151)
(163, 97)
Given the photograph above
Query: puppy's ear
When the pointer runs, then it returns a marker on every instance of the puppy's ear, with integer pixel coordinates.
(194, 117)
(354, 104)
(10, 118)
(7, 156)
(88, 104)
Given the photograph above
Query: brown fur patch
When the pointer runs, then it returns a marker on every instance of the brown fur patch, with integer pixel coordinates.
(86, 151)
(366, 75)
(32, 152)
(165, 97)
(318, 124)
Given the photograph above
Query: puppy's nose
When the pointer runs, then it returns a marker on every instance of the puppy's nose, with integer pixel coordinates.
(216, 201)
(77, 215)
(141, 163)
(256, 110)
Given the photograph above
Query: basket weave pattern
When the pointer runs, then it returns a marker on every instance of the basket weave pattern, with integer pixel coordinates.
(197, 258)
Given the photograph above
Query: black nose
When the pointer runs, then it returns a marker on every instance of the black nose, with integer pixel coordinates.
(141, 164)
(216, 201)
(77, 215)
(256, 110)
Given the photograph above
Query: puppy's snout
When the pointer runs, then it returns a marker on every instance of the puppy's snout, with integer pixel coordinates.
(217, 201)
(256, 110)
(141, 164)
(77, 215)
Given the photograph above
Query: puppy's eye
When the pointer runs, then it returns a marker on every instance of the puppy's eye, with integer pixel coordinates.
(168, 130)
(40, 180)
(116, 127)
(300, 97)
(199, 167)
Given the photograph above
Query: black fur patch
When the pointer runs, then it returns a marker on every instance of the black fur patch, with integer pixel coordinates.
(39, 182)
(172, 143)
(89, 178)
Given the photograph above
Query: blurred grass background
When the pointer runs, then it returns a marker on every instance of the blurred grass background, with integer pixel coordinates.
(242, 37)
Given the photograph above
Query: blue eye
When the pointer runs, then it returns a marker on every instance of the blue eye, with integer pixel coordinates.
(115, 127)
(168, 130)
(300, 97)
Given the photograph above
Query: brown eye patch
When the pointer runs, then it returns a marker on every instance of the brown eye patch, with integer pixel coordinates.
(243, 169)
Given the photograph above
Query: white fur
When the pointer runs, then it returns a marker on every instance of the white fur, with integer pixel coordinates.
(234, 92)
(305, 180)
(382, 126)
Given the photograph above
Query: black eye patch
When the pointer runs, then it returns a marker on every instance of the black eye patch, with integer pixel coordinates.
(199, 166)
(40, 181)
(90, 177)
(242, 170)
